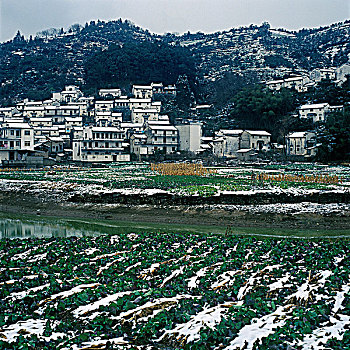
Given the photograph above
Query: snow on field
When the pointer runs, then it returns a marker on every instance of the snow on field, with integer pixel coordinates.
(280, 283)
(147, 274)
(175, 289)
(288, 208)
(254, 280)
(28, 328)
(83, 311)
(193, 281)
(100, 344)
(307, 289)
(90, 251)
(174, 274)
(108, 265)
(22, 294)
(190, 331)
(339, 298)
(319, 337)
(151, 308)
(260, 328)
(69, 292)
(104, 256)
(225, 279)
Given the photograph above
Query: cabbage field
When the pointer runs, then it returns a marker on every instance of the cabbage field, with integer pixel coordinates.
(156, 290)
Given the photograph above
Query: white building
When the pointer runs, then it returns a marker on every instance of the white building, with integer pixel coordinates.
(189, 136)
(110, 92)
(36, 111)
(16, 139)
(142, 91)
(104, 106)
(108, 118)
(122, 102)
(301, 144)
(140, 103)
(254, 139)
(43, 131)
(100, 144)
(141, 115)
(317, 111)
(70, 93)
(275, 84)
(161, 138)
(297, 83)
(36, 122)
(231, 141)
(8, 112)
(71, 122)
(323, 73)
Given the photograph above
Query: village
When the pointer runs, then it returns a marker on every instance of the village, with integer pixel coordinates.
(71, 127)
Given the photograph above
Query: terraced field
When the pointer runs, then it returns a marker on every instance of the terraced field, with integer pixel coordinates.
(174, 291)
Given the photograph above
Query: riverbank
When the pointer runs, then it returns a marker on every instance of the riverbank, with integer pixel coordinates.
(303, 215)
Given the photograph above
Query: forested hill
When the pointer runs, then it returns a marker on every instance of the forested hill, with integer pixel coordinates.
(118, 53)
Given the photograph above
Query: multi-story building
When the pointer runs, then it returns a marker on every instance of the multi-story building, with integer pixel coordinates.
(231, 141)
(110, 92)
(16, 140)
(254, 139)
(108, 118)
(70, 93)
(37, 121)
(189, 136)
(301, 144)
(163, 138)
(323, 73)
(317, 112)
(100, 144)
(297, 83)
(104, 106)
(142, 91)
(141, 115)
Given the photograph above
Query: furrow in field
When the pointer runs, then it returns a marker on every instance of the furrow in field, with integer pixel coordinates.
(260, 328)
(190, 331)
(86, 310)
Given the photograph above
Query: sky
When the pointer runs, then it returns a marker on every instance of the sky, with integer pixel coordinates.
(161, 16)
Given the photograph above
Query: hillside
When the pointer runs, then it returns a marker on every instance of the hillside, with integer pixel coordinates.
(35, 67)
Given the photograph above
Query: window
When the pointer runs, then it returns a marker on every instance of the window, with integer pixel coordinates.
(12, 132)
(96, 144)
(27, 143)
(18, 143)
(27, 132)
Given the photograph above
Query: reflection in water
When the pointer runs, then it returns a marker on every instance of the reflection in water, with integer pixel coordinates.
(11, 228)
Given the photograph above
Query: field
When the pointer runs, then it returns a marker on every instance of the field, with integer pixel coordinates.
(147, 178)
(174, 291)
